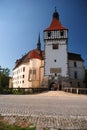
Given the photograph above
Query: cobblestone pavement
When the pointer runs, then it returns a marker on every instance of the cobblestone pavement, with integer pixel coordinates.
(53, 110)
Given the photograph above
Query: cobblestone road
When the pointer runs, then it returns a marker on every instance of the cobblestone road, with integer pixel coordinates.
(52, 109)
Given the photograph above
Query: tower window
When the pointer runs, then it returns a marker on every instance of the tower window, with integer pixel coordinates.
(49, 34)
(55, 46)
(55, 60)
(75, 65)
(62, 33)
(75, 75)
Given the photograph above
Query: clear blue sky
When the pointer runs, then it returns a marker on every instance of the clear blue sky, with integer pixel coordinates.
(22, 20)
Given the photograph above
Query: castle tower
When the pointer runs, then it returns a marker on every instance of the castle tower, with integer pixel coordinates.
(56, 40)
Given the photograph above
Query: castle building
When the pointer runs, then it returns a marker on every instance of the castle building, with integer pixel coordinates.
(29, 70)
(54, 65)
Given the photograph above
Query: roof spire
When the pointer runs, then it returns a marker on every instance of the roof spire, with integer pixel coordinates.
(55, 9)
(39, 43)
(55, 14)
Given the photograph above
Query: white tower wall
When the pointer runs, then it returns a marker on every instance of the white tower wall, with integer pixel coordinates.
(56, 59)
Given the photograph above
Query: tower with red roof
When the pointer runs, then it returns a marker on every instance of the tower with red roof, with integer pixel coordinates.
(54, 67)
(56, 48)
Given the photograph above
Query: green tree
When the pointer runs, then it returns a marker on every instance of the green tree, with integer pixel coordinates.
(4, 77)
(6, 71)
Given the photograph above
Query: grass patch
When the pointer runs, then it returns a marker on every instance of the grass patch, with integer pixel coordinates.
(4, 126)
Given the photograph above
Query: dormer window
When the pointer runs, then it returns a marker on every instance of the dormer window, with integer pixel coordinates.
(49, 34)
(61, 33)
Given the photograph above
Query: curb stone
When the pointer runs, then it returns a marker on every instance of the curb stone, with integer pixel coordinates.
(48, 123)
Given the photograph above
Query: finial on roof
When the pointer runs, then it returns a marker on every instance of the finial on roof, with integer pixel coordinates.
(55, 14)
(55, 9)
(39, 43)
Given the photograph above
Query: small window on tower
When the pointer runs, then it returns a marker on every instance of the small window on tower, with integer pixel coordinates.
(75, 65)
(55, 60)
(49, 34)
(62, 33)
(75, 75)
(55, 46)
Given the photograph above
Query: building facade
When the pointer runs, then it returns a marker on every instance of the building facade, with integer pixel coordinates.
(54, 65)
(76, 70)
(29, 70)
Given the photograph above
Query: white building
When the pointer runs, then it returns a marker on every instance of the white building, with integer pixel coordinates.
(29, 70)
(76, 70)
(55, 63)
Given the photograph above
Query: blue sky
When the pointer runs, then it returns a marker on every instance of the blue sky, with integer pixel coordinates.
(22, 20)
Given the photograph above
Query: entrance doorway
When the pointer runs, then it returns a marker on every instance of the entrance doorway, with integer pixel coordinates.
(54, 86)
(60, 87)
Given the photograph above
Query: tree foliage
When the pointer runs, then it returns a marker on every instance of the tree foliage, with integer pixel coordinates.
(4, 77)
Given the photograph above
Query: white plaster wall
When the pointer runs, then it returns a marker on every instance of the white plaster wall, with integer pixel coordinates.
(17, 77)
(78, 63)
(79, 73)
(79, 69)
(35, 64)
(59, 54)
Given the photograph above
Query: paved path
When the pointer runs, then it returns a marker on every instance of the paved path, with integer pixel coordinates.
(51, 109)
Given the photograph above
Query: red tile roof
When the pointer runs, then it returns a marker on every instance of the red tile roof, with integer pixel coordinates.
(36, 54)
(55, 25)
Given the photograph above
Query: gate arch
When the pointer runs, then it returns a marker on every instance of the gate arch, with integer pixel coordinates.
(53, 86)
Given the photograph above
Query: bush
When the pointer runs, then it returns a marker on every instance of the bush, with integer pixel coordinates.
(16, 91)
(6, 91)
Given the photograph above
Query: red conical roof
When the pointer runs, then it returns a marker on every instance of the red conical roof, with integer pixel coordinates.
(55, 24)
